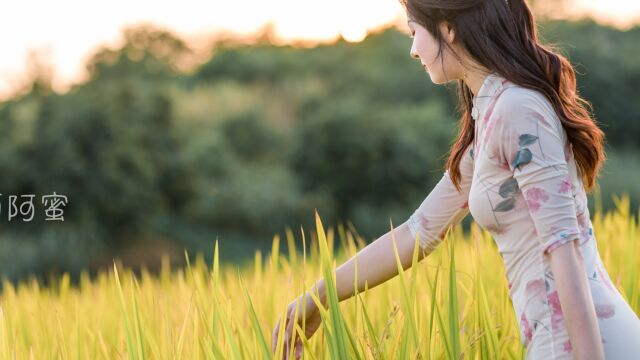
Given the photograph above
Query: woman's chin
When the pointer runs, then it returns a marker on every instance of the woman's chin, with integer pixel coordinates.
(436, 78)
(439, 79)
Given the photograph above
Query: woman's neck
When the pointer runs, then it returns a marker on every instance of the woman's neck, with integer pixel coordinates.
(475, 79)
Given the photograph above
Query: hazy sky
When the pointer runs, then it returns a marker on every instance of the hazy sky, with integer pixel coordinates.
(70, 30)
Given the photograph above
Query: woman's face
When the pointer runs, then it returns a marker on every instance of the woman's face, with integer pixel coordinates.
(425, 48)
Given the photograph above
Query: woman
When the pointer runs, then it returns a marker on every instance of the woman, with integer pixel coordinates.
(526, 154)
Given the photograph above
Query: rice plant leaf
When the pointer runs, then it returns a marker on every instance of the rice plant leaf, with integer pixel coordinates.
(182, 330)
(130, 347)
(139, 345)
(406, 301)
(338, 348)
(435, 309)
(368, 323)
(266, 352)
(490, 341)
(231, 340)
(454, 325)
(305, 343)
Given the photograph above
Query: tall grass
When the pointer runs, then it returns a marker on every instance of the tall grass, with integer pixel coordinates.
(454, 304)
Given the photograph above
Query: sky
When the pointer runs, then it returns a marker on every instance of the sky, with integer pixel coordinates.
(67, 32)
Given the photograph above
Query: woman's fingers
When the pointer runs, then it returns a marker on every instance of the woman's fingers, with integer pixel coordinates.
(274, 337)
(298, 351)
(291, 338)
(291, 322)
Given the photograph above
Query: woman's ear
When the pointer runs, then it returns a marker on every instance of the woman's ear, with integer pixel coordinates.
(447, 31)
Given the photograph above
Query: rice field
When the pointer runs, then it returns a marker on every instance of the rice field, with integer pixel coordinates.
(453, 304)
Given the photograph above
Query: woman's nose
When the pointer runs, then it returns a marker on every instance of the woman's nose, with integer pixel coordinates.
(413, 53)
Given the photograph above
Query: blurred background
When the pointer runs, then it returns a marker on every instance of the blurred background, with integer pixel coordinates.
(168, 126)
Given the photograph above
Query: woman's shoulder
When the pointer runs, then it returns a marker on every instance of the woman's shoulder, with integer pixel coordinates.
(521, 110)
(515, 99)
(518, 104)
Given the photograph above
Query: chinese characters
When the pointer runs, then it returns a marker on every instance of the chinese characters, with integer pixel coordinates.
(24, 207)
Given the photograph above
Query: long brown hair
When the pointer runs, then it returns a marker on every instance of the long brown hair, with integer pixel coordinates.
(501, 35)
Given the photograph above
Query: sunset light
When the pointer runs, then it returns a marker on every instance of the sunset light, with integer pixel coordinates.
(71, 30)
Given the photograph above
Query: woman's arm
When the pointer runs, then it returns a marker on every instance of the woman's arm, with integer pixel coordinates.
(445, 206)
(376, 264)
(576, 301)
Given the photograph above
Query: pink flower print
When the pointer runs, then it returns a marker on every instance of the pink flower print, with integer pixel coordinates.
(605, 311)
(526, 328)
(465, 205)
(535, 196)
(556, 315)
(535, 288)
(565, 186)
(510, 285)
(567, 346)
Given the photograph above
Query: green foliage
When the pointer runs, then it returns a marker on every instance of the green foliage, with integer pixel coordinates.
(608, 73)
(149, 53)
(361, 153)
(257, 137)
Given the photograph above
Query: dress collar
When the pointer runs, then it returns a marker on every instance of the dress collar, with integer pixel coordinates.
(490, 86)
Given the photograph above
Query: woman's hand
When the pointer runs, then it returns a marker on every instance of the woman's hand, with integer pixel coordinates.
(312, 323)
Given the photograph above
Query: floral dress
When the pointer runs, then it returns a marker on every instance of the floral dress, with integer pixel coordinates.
(520, 182)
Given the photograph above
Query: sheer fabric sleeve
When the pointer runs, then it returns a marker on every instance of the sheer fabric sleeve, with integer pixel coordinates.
(443, 206)
(530, 138)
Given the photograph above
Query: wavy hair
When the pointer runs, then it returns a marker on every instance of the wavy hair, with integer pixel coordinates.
(501, 35)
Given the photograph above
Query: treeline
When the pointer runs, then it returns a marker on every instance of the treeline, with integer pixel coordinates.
(254, 140)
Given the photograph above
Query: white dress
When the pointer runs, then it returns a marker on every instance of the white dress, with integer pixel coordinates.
(520, 182)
